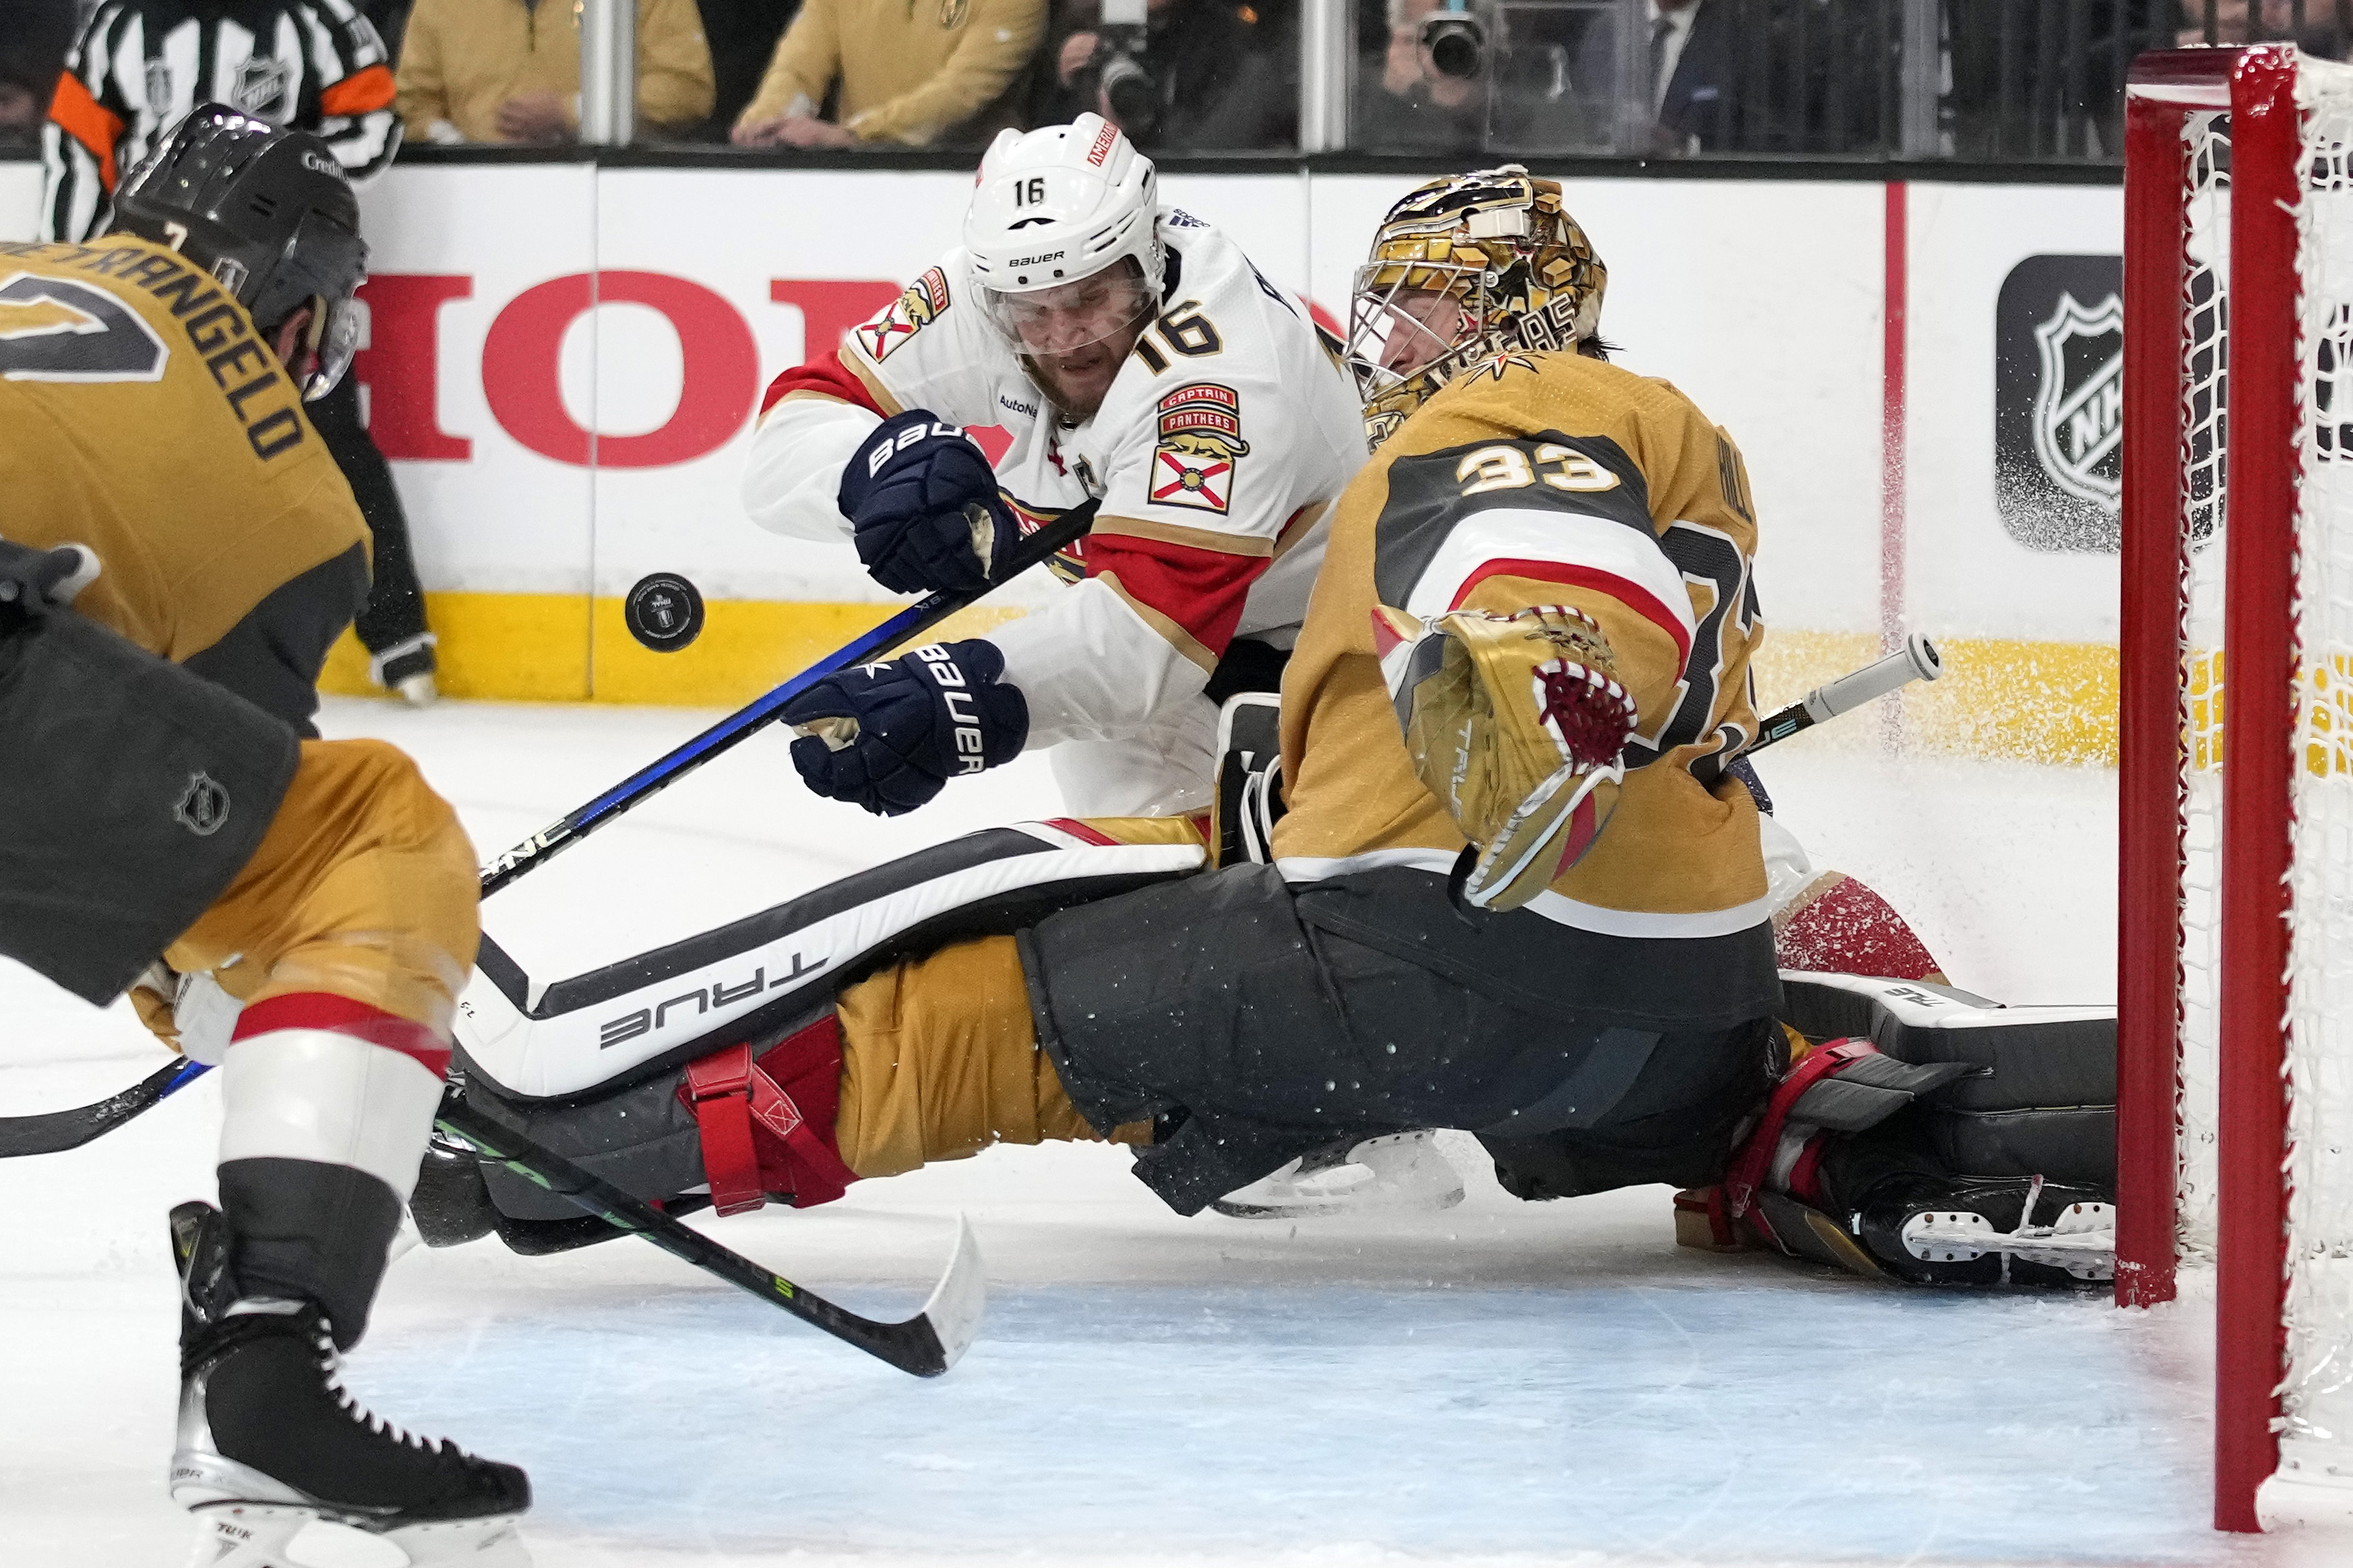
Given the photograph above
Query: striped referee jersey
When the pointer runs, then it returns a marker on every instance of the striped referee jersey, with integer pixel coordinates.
(140, 65)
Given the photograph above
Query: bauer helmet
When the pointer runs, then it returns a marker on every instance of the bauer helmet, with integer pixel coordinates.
(269, 214)
(1464, 268)
(1054, 208)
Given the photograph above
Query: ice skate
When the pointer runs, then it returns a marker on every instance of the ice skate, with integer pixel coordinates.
(269, 1441)
(1399, 1172)
(1988, 1232)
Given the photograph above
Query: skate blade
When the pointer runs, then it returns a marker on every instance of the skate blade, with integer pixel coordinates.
(265, 1535)
(1367, 1198)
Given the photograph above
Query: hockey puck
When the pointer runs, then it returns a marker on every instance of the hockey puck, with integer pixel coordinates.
(664, 611)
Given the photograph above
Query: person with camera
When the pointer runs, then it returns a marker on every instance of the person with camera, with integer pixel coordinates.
(1200, 75)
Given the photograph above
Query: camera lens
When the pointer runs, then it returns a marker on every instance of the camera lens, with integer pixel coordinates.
(1128, 86)
(1457, 45)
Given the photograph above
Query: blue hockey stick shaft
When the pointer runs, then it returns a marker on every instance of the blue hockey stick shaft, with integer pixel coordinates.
(657, 776)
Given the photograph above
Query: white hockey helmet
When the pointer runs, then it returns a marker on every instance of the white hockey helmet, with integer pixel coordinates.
(1055, 207)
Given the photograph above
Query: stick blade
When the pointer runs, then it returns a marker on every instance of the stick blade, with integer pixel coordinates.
(59, 1130)
(958, 1300)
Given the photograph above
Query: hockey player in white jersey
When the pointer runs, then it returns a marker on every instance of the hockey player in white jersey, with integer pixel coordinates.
(1139, 359)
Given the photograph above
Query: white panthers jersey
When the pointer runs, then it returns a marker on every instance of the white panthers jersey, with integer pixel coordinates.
(1220, 448)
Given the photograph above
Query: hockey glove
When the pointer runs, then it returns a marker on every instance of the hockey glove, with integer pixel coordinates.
(887, 736)
(923, 506)
(1517, 723)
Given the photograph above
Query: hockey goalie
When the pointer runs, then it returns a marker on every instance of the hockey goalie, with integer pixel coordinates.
(1504, 881)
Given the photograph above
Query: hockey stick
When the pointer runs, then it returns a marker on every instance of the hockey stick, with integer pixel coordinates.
(61, 1129)
(1918, 661)
(926, 1344)
(650, 780)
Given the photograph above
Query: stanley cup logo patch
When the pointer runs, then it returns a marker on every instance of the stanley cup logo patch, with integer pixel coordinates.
(2080, 403)
(1200, 441)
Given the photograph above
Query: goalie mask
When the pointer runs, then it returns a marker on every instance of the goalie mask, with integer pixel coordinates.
(1464, 268)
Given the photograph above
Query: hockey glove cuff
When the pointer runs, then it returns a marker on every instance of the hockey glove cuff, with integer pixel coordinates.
(888, 736)
(1517, 725)
(32, 579)
(923, 506)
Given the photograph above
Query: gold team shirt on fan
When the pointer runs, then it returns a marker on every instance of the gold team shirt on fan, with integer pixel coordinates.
(1547, 479)
(147, 419)
(1218, 452)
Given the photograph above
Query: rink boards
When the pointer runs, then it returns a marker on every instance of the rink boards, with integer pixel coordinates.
(565, 361)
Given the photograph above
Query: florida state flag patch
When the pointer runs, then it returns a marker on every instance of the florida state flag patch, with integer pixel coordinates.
(1200, 441)
(910, 313)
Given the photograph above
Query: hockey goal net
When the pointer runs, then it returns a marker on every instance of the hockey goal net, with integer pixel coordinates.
(2235, 978)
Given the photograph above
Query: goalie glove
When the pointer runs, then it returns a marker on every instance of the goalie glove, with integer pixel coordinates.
(1517, 725)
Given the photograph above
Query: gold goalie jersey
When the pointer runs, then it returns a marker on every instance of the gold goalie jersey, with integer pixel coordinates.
(1547, 479)
(142, 415)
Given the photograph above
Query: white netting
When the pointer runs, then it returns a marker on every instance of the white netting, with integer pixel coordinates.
(2204, 304)
(2317, 1396)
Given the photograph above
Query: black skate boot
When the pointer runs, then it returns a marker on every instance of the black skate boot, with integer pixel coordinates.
(269, 1442)
(1977, 1231)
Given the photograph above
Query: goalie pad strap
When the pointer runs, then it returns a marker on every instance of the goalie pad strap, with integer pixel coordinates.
(735, 1101)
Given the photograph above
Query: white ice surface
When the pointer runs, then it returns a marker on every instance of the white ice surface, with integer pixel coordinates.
(1504, 1383)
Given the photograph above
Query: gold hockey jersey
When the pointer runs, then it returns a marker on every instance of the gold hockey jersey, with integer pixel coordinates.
(1547, 479)
(142, 414)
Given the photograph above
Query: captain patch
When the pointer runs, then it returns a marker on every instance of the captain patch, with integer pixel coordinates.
(925, 298)
(1200, 441)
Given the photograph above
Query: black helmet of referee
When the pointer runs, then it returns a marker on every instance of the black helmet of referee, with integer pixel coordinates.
(270, 215)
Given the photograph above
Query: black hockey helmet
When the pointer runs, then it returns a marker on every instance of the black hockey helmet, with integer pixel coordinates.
(268, 213)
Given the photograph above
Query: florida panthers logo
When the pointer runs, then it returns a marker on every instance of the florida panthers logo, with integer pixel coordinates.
(1200, 442)
(2079, 405)
(910, 313)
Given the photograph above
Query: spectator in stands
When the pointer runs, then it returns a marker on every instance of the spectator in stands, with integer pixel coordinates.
(1417, 105)
(742, 35)
(920, 73)
(508, 70)
(2263, 21)
(34, 37)
(1694, 56)
(1205, 75)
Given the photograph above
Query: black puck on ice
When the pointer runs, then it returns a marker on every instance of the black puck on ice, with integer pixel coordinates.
(664, 611)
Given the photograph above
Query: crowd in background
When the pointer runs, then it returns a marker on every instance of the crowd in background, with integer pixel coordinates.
(2012, 77)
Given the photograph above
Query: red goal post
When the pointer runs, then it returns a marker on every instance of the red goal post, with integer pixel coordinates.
(2235, 943)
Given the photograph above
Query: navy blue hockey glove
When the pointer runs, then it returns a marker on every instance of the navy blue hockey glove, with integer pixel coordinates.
(887, 736)
(923, 506)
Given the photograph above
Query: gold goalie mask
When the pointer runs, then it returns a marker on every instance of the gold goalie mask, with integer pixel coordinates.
(1464, 268)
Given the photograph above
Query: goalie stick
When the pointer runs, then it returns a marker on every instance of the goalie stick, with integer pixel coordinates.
(1918, 660)
(926, 1344)
(57, 1130)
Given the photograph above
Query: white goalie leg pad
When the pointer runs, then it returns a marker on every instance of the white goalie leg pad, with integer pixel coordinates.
(536, 1041)
(330, 1098)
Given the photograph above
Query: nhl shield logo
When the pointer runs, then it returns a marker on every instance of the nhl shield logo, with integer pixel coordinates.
(203, 806)
(261, 88)
(2079, 404)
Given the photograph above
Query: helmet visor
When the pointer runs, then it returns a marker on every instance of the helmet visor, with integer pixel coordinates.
(1041, 324)
(333, 338)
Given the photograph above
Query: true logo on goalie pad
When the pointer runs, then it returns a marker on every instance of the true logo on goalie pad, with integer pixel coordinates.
(1200, 441)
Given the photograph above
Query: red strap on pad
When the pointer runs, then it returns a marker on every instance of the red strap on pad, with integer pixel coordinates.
(756, 1137)
(1755, 1160)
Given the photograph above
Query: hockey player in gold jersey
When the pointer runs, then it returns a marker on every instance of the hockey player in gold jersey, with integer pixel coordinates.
(1517, 889)
(177, 551)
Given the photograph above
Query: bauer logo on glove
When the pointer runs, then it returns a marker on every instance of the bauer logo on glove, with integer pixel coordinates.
(888, 736)
(923, 506)
(1519, 725)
